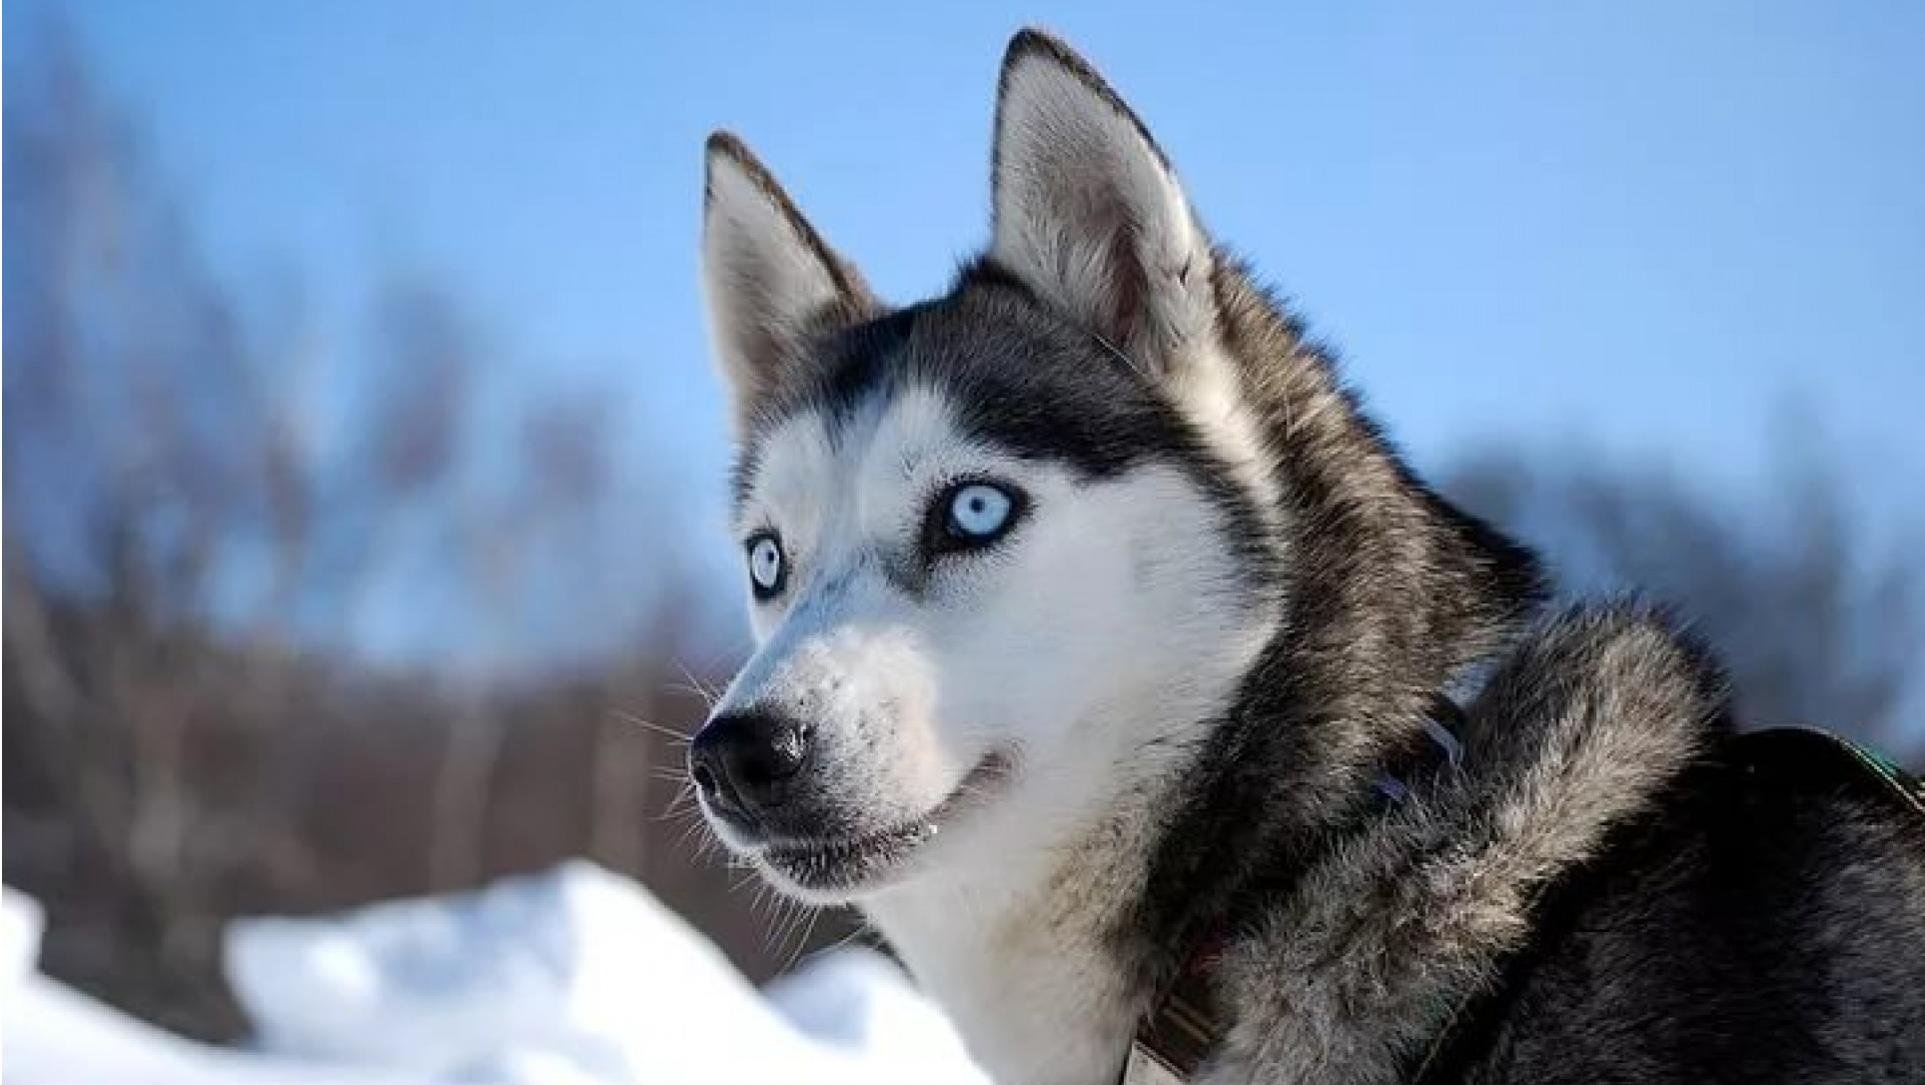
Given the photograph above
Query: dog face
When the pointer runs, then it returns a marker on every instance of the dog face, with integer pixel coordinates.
(997, 545)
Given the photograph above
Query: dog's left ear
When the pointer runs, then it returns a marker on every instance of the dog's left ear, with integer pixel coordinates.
(1088, 213)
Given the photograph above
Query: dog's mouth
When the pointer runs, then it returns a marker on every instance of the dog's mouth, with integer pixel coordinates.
(839, 864)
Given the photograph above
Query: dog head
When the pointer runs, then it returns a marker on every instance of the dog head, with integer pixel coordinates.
(1000, 546)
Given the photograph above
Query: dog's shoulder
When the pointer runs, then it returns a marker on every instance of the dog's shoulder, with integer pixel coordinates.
(1615, 886)
(1766, 922)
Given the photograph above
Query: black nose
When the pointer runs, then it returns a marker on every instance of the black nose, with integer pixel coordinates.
(744, 762)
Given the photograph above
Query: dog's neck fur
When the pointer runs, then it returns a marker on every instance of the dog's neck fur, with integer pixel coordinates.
(1047, 961)
(1353, 973)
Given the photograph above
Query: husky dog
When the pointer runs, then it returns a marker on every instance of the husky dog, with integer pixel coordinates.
(1101, 642)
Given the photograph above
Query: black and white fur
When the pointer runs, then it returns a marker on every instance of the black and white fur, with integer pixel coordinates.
(1153, 706)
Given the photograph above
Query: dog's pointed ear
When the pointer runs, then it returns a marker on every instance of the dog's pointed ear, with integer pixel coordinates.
(772, 284)
(1088, 212)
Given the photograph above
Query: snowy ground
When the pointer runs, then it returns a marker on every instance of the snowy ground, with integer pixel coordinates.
(573, 977)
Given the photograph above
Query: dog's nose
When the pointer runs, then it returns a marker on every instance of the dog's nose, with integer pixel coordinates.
(745, 761)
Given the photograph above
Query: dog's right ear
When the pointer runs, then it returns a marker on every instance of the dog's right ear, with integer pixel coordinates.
(772, 285)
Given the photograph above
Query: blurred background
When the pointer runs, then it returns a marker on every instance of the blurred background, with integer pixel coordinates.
(364, 469)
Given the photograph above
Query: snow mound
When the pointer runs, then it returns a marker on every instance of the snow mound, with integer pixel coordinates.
(577, 964)
(24, 923)
(55, 1035)
(575, 976)
(859, 1001)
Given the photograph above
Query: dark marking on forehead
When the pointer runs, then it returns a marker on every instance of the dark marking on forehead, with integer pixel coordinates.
(748, 461)
(852, 364)
(1017, 377)
(1044, 388)
(861, 360)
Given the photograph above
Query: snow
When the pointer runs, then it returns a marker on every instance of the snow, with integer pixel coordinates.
(55, 1035)
(571, 977)
(23, 925)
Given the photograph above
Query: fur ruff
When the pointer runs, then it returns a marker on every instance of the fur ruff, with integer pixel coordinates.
(1577, 732)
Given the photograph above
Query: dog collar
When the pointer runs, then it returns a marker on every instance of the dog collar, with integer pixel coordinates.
(1183, 1029)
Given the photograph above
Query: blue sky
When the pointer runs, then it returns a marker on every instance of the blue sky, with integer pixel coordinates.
(1641, 229)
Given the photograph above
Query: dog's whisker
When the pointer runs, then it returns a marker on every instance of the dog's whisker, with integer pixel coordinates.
(671, 733)
(697, 687)
(681, 806)
(707, 697)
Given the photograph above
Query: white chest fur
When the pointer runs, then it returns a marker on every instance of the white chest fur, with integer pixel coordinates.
(1035, 1002)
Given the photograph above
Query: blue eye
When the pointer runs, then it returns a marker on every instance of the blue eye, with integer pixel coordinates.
(972, 515)
(768, 569)
(979, 510)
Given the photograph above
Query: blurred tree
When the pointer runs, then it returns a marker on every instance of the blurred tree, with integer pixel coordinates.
(1816, 627)
(215, 527)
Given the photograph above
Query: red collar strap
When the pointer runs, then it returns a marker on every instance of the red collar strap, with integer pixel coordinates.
(1183, 1029)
